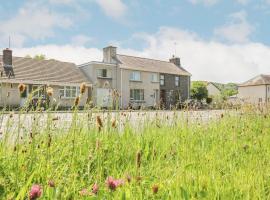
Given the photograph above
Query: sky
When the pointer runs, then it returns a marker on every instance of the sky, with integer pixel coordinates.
(217, 40)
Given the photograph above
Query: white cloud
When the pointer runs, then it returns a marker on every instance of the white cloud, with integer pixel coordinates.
(238, 29)
(68, 53)
(206, 60)
(34, 21)
(205, 2)
(80, 40)
(113, 8)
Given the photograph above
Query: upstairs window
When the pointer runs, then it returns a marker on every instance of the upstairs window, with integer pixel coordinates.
(154, 77)
(103, 73)
(177, 81)
(135, 76)
(136, 94)
(162, 80)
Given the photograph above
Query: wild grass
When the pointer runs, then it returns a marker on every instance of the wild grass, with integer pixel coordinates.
(160, 157)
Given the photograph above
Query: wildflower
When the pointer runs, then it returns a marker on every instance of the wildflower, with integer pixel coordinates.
(82, 88)
(51, 183)
(114, 183)
(77, 100)
(138, 159)
(155, 189)
(49, 91)
(95, 188)
(35, 192)
(21, 88)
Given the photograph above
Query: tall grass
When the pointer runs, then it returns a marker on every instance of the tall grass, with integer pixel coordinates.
(160, 156)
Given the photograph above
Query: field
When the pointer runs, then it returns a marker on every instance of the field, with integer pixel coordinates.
(160, 157)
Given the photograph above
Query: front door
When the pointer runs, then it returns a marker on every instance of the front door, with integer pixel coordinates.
(163, 97)
(24, 96)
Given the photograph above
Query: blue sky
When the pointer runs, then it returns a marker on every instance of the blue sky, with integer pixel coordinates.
(217, 40)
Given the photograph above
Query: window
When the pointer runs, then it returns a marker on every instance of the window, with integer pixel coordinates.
(103, 73)
(137, 95)
(38, 91)
(154, 77)
(69, 91)
(162, 80)
(135, 76)
(177, 81)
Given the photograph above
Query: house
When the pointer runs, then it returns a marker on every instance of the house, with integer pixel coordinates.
(213, 89)
(139, 82)
(37, 75)
(255, 90)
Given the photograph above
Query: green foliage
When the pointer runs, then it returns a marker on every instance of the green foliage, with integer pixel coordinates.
(39, 57)
(223, 159)
(199, 90)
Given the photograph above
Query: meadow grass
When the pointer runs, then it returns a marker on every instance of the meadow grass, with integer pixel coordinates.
(226, 158)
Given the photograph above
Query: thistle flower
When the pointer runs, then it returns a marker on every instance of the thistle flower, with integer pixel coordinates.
(138, 159)
(82, 88)
(21, 88)
(35, 192)
(155, 189)
(95, 188)
(114, 183)
(77, 100)
(49, 91)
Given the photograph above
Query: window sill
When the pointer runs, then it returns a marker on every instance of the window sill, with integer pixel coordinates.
(135, 81)
(104, 77)
(154, 81)
(137, 101)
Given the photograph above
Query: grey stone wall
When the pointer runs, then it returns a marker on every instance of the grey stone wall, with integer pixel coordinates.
(173, 94)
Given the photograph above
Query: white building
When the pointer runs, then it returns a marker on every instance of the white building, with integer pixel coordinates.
(255, 90)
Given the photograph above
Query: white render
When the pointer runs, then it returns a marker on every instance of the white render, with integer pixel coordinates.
(212, 90)
(255, 94)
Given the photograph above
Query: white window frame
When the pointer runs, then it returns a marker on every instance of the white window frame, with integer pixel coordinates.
(162, 79)
(176, 81)
(135, 76)
(154, 77)
(69, 90)
(133, 94)
(100, 73)
(38, 89)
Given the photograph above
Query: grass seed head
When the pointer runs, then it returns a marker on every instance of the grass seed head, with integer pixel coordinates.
(138, 159)
(114, 123)
(21, 87)
(82, 88)
(51, 183)
(49, 91)
(77, 101)
(155, 189)
(99, 122)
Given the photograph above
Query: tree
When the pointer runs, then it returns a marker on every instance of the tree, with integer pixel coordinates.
(40, 57)
(199, 90)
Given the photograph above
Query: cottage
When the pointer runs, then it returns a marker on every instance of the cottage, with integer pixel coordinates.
(255, 90)
(141, 82)
(63, 77)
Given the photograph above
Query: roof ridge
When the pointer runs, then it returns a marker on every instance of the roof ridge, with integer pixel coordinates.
(146, 58)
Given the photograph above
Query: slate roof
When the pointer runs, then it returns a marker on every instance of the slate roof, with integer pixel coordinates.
(34, 71)
(150, 65)
(258, 80)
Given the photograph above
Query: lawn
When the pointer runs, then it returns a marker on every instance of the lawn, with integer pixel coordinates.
(109, 158)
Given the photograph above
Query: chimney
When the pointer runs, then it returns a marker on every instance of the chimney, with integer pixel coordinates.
(109, 54)
(7, 57)
(176, 61)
